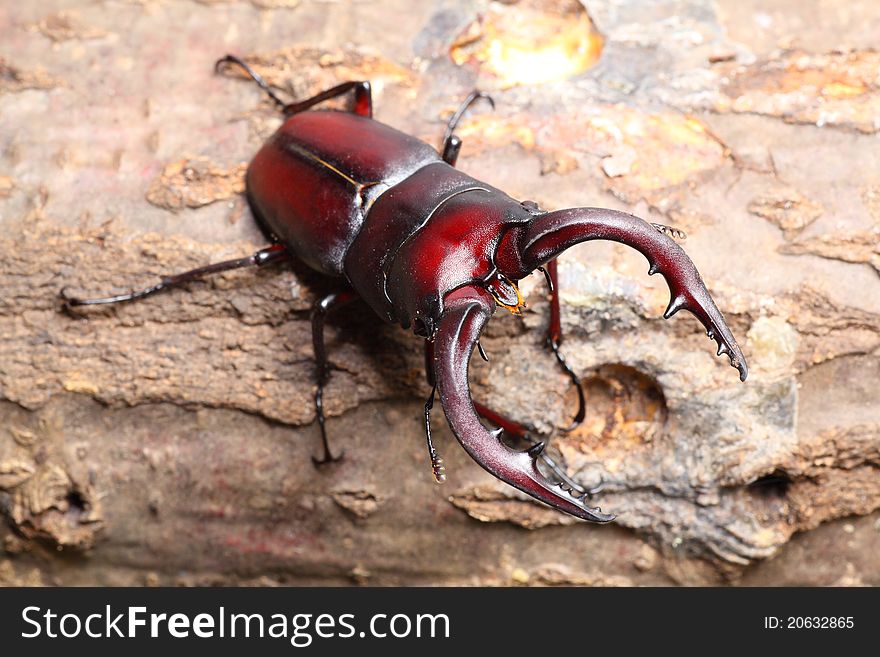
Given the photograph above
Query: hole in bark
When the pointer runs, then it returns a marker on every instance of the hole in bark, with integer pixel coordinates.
(775, 484)
(625, 407)
(530, 41)
(76, 503)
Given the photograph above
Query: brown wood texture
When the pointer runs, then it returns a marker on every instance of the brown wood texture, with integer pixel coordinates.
(169, 441)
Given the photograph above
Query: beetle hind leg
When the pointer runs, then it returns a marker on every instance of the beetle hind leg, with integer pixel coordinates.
(262, 257)
(362, 102)
(221, 63)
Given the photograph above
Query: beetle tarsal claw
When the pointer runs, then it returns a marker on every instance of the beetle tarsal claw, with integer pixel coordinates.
(535, 450)
(675, 304)
(458, 331)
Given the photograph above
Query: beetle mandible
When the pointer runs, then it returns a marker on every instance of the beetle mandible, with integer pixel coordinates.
(430, 248)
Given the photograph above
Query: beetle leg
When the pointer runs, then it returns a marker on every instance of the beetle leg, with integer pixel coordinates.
(548, 235)
(451, 143)
(554, 340)
(466, 313)
(262, 257)
(322, 367)
(362, 103)
(256, 77)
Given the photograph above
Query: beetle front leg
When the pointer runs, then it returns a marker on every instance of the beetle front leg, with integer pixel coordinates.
(554, 340)
(322, 367)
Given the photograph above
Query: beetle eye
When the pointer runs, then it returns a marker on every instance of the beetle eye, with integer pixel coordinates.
(506, 293)
(420, 328)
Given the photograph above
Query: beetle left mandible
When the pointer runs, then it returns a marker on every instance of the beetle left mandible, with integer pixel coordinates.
(430, 248)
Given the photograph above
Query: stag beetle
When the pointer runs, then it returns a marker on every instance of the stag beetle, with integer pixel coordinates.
(432, 249)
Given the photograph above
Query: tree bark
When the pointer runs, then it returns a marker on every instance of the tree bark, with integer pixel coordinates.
(169, 441)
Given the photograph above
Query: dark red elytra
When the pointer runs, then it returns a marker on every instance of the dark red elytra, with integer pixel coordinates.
(430, 248)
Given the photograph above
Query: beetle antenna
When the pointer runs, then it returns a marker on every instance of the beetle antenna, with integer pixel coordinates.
(256, 77)
(437, 467)
(671, 231)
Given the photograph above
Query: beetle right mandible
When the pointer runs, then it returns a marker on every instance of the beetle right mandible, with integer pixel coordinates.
(430, 248)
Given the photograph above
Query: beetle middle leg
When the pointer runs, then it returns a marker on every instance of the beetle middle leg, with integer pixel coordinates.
(322, 368)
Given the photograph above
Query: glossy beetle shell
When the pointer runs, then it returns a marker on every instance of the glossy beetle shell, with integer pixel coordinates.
(354, 197)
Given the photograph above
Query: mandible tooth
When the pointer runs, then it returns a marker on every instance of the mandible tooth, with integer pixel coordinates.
(675, 304)
(535, 450)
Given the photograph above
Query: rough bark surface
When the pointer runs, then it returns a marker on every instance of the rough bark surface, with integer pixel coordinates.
(169, 441)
